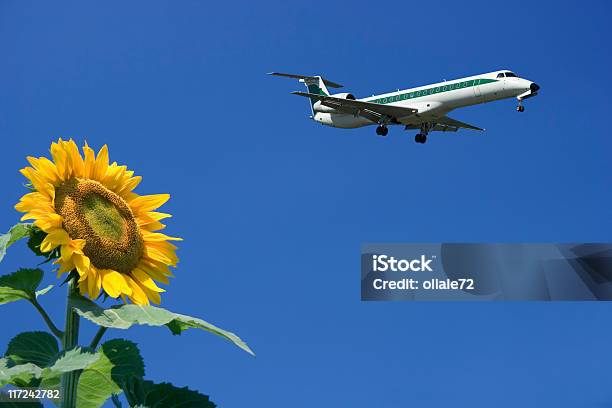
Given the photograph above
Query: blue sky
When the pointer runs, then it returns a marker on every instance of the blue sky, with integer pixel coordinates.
(274, 208)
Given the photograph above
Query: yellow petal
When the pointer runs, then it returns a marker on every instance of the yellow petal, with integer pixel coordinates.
(166, 248)
(45, 168)
(65, 267)
(142, 204)
(49, 222)
(138, 295)
(155, 273)
(157, 255)
(149, 265)
(88, 163)
(54, 239)
(145, 280)
(58, 235)
(114, 283)
(152, 295)
(36, 214)
(94, 282)
(39, 183)
(75, 158)
(61, 160)
(78, 245)
(31, 201)
(157, 216)
(154, 226)
(101, 164)
(67, 251)
(115, 177)
(149, 221)
(82, 264)
(158, 237)
(128, 185)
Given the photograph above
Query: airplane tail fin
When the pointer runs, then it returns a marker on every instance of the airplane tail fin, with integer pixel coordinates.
(315, 84)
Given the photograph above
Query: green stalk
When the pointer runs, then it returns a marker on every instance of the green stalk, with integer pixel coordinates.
(71, 339)
(94, 342)
(58, 333)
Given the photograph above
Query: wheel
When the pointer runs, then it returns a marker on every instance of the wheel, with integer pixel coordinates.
(379, 130)
(520, 108)
(384, 131)
(420, 138)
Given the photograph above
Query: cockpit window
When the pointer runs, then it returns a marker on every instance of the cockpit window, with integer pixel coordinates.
(500, 75)
(510, 74)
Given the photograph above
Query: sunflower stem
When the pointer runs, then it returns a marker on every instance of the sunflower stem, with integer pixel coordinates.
(57, 332)
(70, 340)
(97, 337)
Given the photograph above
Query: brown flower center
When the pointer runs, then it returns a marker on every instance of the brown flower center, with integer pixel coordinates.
(104, 220)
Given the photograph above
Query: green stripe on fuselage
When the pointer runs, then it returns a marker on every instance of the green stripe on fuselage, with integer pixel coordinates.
(432, 91)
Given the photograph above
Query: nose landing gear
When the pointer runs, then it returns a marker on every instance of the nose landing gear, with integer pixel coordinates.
(520, 108)
(382, 130)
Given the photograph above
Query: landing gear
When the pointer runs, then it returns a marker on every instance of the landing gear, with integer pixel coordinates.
(420, 138)
(382, 130)
(520, 108)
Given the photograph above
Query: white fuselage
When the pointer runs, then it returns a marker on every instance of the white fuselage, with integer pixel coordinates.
(435, 100)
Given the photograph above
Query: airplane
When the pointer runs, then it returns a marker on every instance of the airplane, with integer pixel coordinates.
(424, 108)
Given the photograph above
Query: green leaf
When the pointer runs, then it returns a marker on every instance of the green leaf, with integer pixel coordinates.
(39, 348)
(147, 394)
(18, 367)
(71, 360)
(19, 375)
(124, 316)
(118, 360)
(76, 359)
(43, 291)
(20, 285)
(16, 233)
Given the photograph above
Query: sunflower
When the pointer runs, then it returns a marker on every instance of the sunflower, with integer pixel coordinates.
(101, 228)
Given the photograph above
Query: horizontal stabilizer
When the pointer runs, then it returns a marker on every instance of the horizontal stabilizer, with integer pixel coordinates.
(325, 81)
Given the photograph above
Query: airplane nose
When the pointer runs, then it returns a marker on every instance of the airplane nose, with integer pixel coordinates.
(534, 87)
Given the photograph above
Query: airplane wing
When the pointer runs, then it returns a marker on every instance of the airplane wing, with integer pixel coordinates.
(371, 111)
(445, 124)
(445, 120)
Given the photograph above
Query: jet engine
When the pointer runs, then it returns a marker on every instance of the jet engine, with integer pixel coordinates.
(317, 107)
(344, 95)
